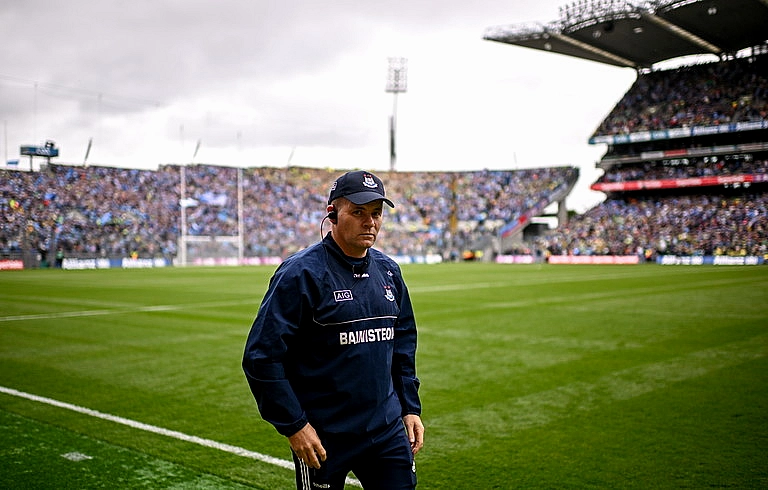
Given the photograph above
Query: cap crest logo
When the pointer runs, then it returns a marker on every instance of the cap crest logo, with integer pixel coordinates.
(369, 182)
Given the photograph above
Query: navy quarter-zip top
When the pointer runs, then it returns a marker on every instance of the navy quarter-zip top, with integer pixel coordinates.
(333, 343)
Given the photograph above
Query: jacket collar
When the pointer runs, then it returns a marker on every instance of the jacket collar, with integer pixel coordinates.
(357, 266)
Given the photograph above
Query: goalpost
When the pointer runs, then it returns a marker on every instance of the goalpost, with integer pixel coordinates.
(211, 249)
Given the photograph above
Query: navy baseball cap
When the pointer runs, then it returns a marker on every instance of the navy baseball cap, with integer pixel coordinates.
(360, 187)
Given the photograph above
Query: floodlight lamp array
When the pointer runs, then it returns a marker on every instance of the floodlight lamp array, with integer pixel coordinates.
(670, 4)
(520, 32)
(397, 75)
(585, 13)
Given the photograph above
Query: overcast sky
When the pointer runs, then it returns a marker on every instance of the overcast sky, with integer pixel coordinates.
(300, 82)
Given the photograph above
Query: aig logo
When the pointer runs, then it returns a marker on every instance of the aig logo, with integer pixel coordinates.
(343, 295)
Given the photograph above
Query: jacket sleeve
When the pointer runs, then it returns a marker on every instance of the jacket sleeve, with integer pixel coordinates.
(276, 323)
(404, 378)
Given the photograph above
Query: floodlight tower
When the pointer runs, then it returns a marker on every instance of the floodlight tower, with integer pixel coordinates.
(397, 82)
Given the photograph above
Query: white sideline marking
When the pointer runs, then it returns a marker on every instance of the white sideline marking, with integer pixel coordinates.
(63, 314)
(239, 451)
(128, 309)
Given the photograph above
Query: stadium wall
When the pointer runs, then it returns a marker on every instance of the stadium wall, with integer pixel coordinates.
(710, 260)
(634, 259)
(122, 263)
(11, 265)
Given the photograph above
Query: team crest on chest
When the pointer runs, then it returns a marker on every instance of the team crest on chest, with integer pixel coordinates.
(388, 293)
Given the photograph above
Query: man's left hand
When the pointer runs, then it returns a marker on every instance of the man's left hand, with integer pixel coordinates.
(415, 430)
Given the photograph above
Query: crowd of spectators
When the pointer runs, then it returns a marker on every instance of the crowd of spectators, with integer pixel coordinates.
(734, 224)
(699, 95)
(729, 222)
(685, 168)
(95, 211)
(107, 212)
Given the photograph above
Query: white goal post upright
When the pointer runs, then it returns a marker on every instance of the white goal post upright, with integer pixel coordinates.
(210, 250)
(183, 206)
(240, 222)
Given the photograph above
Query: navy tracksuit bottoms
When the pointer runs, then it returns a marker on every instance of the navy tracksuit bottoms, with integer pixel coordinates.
(381, 461)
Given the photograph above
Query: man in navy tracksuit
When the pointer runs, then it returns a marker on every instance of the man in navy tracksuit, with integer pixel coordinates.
(330, 357)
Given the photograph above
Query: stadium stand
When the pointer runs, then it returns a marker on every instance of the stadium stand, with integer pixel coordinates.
(705, 224)
(686, 166)
(103, 212)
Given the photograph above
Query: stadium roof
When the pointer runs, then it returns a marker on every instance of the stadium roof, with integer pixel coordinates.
(641, 34)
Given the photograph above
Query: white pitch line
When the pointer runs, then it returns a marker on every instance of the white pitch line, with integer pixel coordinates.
(76, 314)
(63, 314)
(239, 451)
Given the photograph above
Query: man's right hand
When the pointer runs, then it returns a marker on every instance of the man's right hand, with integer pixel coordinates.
(307, 446)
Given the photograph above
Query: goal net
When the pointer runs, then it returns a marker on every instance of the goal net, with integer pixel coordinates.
(210, 250)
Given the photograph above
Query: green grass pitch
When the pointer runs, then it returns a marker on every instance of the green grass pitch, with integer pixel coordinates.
(532, 376)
